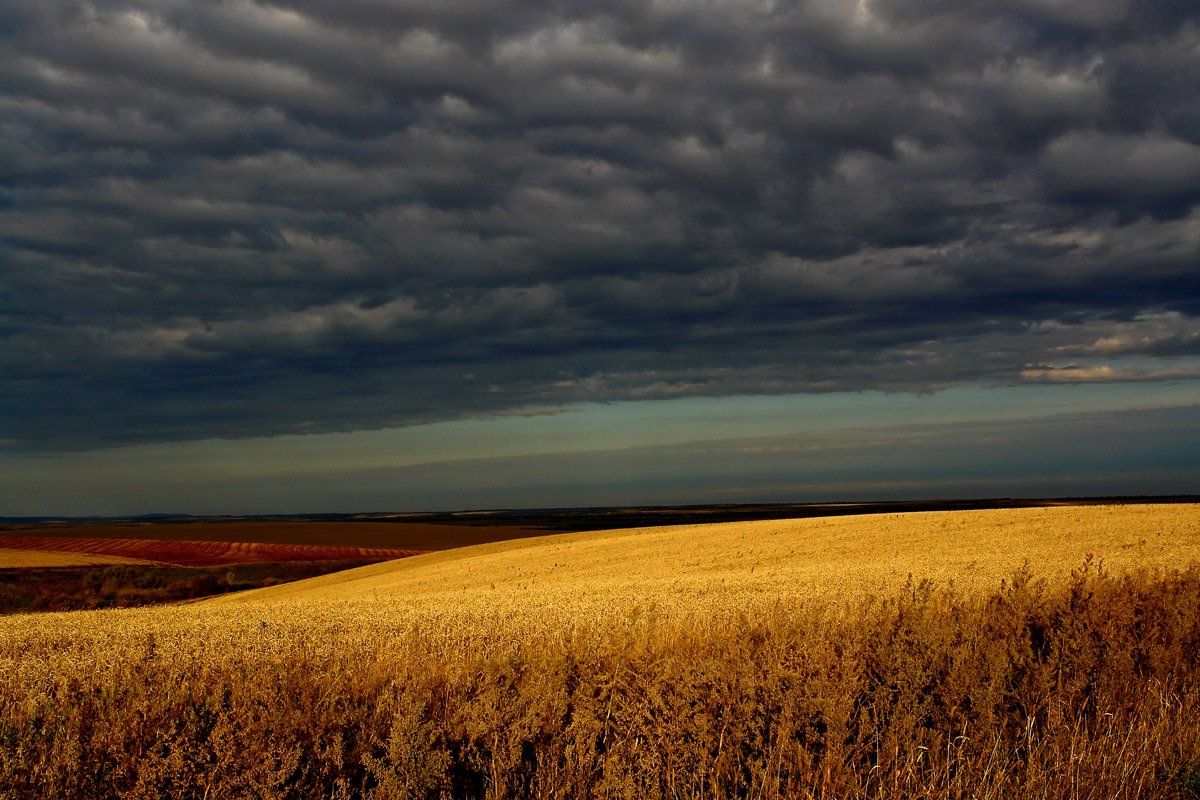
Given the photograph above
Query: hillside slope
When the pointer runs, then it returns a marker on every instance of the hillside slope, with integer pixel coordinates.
(653, 663)
(731, 564)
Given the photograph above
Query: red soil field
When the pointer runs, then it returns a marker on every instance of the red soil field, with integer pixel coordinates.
(407, 536)
(199, 553)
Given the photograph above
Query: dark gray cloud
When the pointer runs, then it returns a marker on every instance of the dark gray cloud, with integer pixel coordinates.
(238, 218)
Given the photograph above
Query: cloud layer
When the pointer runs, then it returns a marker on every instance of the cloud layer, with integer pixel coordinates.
(245, 218)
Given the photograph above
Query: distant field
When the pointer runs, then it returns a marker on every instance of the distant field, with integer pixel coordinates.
(743, 564)
(69, 582)
(35, 558)
(42, 558)
(386, 535)
(189, 553)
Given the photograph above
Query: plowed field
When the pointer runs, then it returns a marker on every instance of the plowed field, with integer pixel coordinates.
(195, 553)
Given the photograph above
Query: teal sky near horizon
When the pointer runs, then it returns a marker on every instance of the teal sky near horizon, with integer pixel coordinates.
(680, 450)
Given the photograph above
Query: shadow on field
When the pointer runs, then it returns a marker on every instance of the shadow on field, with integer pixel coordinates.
(125, 586)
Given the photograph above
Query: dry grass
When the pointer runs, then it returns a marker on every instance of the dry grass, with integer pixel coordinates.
(648, 664)
(19, 559)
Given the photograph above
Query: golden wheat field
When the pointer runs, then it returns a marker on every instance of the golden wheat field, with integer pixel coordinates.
(797, 658)
(737, 565)
(550, 585)
(45, 558)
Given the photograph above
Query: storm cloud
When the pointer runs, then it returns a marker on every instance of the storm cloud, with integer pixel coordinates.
(243, 218)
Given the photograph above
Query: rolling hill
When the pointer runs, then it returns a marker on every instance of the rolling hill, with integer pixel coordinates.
(774, 659)
(738, 564)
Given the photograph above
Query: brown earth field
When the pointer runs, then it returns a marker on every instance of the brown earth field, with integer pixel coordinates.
(403, 536)
(198, 553)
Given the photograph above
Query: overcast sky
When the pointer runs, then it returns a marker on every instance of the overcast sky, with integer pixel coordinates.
(398, 246)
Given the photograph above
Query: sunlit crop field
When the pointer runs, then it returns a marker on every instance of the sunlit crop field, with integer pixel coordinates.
(688, 574)
(871, 656)
(741, 565)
